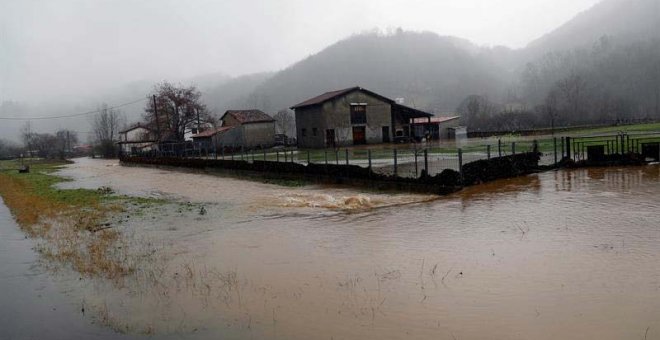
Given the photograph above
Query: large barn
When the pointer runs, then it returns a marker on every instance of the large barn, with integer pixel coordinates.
(352, 116)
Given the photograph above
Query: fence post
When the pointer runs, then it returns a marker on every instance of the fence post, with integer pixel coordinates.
(264, 150)
(488, 150)
(568, 147)
(395, 164)
(346, 152)
(426, 162)
(513, 148)
(336, 157)
(563, 151)
(499, 147)
(222, 150)
(416, 169)
(460, 162)
(286, 157)
(277, 154)
(369, 156)
(309, 160)
(554, 142)
(326, 156)
(617, 144)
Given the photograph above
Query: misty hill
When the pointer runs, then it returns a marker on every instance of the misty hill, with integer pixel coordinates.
(602, 66)
(234, 93)
(427, 70)
(621, 20)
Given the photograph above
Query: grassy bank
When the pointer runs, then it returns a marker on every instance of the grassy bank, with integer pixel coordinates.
(73, 224)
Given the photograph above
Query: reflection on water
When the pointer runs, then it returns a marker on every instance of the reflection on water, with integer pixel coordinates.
(615, 179)
(560, 255)
(33, 306)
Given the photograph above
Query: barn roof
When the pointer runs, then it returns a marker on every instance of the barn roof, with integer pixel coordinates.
(212, 132)
(334, 94)
(249, 116)
(434, 120)
(407, 112)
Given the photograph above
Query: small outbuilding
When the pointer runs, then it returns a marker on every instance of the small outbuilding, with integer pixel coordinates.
(135, 139)
(435, 128)
(227, 136)
(254, 128)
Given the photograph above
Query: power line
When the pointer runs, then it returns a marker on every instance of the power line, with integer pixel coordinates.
(76, 114)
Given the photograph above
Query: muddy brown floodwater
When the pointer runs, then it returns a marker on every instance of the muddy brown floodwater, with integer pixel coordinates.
(571, 254)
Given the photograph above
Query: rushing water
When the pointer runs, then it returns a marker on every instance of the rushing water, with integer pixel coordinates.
(571, 254)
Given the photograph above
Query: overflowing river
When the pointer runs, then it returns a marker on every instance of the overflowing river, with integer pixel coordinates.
(571, 254)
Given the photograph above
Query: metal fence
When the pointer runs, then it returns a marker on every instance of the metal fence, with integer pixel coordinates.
(599, 147)
(413, 160)
(409, 160)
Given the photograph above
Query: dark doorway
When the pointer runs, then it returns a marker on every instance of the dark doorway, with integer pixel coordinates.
(330, 138)
(359, 135)
(651, 151)
(386, 134)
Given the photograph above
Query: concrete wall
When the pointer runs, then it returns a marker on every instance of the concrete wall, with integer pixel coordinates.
(230, 138)
(306, 119)
(258, 134)
(336, 114)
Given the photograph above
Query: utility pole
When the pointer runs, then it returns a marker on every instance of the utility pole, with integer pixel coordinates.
(198, 124)
(157, 120)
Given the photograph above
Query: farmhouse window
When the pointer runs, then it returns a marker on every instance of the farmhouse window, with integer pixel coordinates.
(358, 114)
(315, 132)
(303, 132)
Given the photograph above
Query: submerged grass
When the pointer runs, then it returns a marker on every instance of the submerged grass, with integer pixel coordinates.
(71, 222)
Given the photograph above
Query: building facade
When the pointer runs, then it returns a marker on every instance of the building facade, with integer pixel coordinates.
(352, 116)
(136, 139)
(255, 129)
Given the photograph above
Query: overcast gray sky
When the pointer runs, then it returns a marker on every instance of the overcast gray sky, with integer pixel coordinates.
(63, 47)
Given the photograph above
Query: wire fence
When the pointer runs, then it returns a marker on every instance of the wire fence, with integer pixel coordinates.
(407, 161)
(416, 160)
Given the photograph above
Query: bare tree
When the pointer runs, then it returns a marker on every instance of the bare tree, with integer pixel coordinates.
(550, 108)
(44, 144)
(9, 149)
(573, 90)
(285, 122)
(106, 130)
(66, 139)
(175, 110)
(26, 136)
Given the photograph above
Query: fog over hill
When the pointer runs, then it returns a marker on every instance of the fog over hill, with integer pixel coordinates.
(609, 54)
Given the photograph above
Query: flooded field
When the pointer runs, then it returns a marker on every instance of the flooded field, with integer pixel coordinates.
(558, 255)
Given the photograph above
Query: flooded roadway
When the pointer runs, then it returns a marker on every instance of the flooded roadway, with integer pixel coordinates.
(568, 254)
